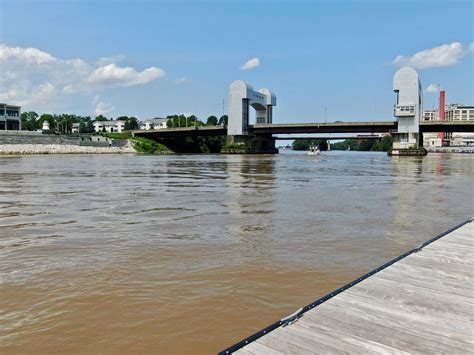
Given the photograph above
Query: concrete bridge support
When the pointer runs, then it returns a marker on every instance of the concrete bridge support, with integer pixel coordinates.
(251, 144)
(242, 96)
(408, 111)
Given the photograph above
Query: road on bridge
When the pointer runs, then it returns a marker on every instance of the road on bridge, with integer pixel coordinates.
(310, 128)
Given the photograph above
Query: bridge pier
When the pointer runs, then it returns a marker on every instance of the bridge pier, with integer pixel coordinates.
(408, 111)
(250, 144)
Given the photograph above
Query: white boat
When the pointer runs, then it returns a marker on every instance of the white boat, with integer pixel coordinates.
(314, 151)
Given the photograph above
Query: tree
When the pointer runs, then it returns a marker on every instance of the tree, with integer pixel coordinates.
(89, 127)
(345, 145)
(366, 145)
(212, 121)
(305, 144)
(47, 117)
(133, 122)
(384, 145)
(82, 127)
(223, 120)
(29, 121)
(101, 118)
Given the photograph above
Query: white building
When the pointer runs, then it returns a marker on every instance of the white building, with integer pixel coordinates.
(10, 117)
(109, 126)
(457, 112)
(75, 127)
(430, 115)
(155, 123)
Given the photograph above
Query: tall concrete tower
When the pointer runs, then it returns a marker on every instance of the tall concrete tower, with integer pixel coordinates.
(242, 96)
(408, 110)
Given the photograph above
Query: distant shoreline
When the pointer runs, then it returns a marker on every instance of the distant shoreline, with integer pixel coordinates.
(29, 149)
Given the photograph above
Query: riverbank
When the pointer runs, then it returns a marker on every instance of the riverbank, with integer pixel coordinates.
(15, 149)
(464, 150)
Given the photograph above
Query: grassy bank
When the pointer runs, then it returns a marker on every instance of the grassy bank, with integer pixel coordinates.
(142, 145)
(148, 146)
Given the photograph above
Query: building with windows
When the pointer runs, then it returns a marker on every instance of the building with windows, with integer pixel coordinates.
(457, 112)
(430, 115)
(10, 117)
(109, 126)
(75, 128)
(155, 123)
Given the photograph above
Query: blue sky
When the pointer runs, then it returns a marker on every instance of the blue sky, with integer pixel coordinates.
(155, 58)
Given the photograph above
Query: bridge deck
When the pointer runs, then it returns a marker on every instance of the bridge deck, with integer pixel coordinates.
(310, 128)
(422, 303)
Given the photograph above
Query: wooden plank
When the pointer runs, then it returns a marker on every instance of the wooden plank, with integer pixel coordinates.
(289, 342)
(407, 275)
(257, 348)
(424, 303)
(367, 318)
(450, 257)
(415, 325)
(451, 270)
(448, 248)
(400, 300)
(375, 329)
(333, 336)
(460, 242)
(428, 298)
(408, 312)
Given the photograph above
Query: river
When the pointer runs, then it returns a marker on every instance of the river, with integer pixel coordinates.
(191, 253)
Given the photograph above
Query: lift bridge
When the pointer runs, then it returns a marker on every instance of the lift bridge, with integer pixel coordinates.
(407, 130)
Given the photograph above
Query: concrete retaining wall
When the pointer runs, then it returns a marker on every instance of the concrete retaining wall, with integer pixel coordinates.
(35, 138)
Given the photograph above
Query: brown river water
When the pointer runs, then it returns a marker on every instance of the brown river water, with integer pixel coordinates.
(191, 253)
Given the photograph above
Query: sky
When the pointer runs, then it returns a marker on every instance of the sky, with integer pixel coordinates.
(325, 60)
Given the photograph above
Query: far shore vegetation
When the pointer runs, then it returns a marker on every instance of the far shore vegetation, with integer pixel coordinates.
(63, 124)
(363, 145)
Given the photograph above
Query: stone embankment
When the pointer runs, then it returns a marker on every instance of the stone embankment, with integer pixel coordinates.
(63, 149)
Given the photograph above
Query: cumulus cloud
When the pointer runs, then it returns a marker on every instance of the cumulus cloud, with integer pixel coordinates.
(112, 74)
(101, 107)
(432, 88)
(250, 64)
(442, 56)
(29, 55)
(31, 76)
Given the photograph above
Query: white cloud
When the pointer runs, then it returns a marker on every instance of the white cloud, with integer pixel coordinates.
(112, 74)
(442, 56)
(432, 88)
(31, 77)
(109, 60)
(101, 107)
(31, 55)
(182, 80)
(251, 64)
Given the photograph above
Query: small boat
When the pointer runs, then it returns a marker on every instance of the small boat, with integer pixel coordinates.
(313, 150)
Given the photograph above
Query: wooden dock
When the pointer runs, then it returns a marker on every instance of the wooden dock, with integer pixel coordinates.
(420, 302)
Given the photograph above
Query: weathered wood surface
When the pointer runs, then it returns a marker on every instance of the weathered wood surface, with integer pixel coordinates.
(423, 303)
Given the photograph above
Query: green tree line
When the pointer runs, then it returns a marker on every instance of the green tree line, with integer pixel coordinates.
(382, 145)
(177, 121)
